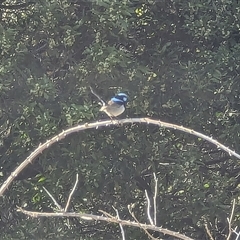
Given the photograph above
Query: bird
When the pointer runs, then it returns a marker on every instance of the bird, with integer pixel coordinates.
(115, 107)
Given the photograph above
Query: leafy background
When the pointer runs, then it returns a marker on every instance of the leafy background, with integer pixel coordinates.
(177, 60)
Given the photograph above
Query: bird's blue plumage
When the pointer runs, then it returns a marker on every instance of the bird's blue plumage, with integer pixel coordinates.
(120, 98)
(118, 101)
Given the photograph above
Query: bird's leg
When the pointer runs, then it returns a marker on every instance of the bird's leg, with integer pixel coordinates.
(116, 119)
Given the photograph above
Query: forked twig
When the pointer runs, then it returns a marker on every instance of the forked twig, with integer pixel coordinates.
(71, 194)
(230, 220)
(237, 233)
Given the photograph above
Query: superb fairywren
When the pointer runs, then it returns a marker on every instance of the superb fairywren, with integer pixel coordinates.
(115, 106)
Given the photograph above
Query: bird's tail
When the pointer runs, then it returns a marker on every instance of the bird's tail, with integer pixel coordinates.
(100, 99)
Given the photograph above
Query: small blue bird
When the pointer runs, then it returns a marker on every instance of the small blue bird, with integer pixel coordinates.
(115, 107)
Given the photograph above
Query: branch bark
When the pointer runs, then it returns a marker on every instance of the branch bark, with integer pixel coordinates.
(106, 219)
(106, 123)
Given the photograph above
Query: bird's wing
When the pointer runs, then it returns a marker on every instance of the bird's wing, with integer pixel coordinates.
(103, 103)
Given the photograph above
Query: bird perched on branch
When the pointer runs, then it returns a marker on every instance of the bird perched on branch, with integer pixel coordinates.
(115, 107)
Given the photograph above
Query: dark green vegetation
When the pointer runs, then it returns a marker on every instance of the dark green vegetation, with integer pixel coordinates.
(177, 60)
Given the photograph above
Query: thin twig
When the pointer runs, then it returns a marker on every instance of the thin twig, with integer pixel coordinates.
(208, 231)
(155, 199)
(149, 208)
(121, 227)
(230, 220)
(53, 199)
(106, 214)
(237, 233)
(134, 217)
(106, 123)
(71, 193)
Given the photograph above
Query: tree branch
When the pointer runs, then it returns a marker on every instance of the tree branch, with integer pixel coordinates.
(106, 219)
(106, 123)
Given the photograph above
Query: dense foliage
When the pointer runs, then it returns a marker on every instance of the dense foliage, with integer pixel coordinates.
(177, 60)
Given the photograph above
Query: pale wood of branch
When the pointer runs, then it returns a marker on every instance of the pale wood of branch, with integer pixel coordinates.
(134, 217)
(54, 200)
(71, 194)
(149, 208)
(121, 227)
(96, 125)
(106, 219)
(155, 198)
(230, 220)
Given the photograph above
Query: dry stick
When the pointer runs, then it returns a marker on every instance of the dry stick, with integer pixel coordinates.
(132, 214)
(53, 199)
(106, 214)
(148, 208)
(230, 220)
(96, 125)
(106, 219)
(237, 233)
(208, 231)
(71, 194)
(69, 197)
(155, 199)
(121, 227)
